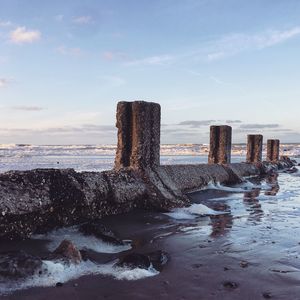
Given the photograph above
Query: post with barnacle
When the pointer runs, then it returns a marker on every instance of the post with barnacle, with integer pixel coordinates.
(220, 144)
(138, 126)
(273, 150)
(254, 148)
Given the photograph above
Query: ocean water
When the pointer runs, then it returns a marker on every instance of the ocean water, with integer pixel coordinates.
(257, 221)
(101, 157)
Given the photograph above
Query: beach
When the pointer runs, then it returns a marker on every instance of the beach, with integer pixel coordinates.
(239, 242)
(149, 150)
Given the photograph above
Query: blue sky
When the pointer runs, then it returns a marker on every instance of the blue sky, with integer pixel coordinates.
(65, 64)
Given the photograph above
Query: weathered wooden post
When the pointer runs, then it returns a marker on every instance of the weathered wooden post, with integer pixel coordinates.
(273, 150)
(220, 145)
(138, 126)
(254, 148)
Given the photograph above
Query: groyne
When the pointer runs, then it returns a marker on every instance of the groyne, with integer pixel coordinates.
(42, 199)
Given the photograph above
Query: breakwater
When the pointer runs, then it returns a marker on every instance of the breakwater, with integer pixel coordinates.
(42, 199)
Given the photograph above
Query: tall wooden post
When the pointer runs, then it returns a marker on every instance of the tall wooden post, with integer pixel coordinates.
(220, 145)
(273, 150)
(138, 126)
(254, 148)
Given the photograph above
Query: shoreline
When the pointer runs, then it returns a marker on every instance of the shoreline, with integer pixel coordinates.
(208, 255)
(62, 197)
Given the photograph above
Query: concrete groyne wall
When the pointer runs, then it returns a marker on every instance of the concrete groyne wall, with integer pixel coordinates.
(43, 199)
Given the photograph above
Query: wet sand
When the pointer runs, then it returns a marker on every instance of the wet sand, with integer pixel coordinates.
(250, 253)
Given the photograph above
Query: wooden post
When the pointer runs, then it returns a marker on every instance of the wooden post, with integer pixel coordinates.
(254, 148)
(138, 126)
(273, 150)
(220, 145)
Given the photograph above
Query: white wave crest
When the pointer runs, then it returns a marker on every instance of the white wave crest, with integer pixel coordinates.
(239, 188)
(54, 272)
(192, 212)
(80, 240)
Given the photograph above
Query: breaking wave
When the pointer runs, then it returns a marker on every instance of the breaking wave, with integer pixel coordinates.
(82, 241)
(58, 272)
(193, 211)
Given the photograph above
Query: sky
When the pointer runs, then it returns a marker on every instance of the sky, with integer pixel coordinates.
(64, 65)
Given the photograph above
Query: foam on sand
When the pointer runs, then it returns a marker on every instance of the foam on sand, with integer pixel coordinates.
(82, 241)
(57, 271)
(193, 211)
(239, 188)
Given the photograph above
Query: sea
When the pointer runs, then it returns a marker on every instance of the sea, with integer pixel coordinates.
(101, 157)
(233, 242)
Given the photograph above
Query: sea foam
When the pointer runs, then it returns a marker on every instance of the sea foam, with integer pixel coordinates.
(239, 188)
(57, 271)
(81, 241)
(193, 211)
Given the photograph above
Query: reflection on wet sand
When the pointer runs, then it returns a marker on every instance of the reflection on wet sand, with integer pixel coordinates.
(253, 205)
(249, 252)
(221, 224)
(272, 180)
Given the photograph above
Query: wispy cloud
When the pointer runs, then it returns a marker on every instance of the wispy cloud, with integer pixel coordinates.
(153, 60)
(27, 108)
(4, 82)
(21, 35)
(114, 55)
(196, 124)
(201, 123)
(233, 121)
(216, 55)
(84, 130)
(75, 51)
(82, 20)
(61, 130)
(233, 44)
(282, 130)
(217, 80)
(192, 131)
(223, 47)
(258, 126)
(3, 59)
(5, 23)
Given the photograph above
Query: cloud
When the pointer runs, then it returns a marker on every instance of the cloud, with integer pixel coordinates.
(83, 20)
(4, 82)
(217, 80)
(216, 56)
(93, 127)
(5, 23)
(196, 124)
(259, 126)
(152, 60)
(233, 121)
(112, 56)
(27, 108)
(282, 130)
(89, 133)
(233, 44)
(3, 59)
(289, 137)
(21, 35)
(272, 37)
(69, 51)
(80, 129)
(222, 47)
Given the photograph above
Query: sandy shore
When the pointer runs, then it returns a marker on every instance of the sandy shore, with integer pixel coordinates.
(250, 253)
